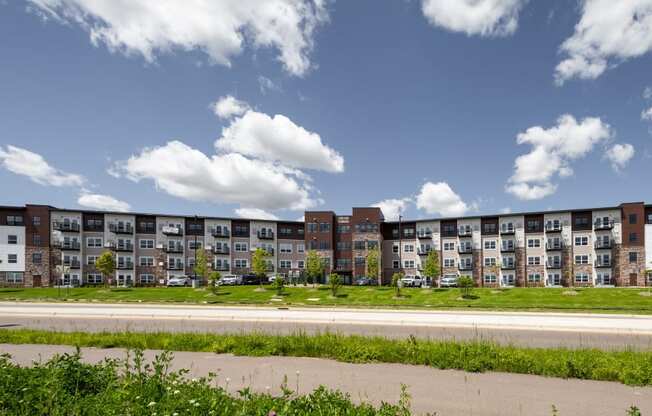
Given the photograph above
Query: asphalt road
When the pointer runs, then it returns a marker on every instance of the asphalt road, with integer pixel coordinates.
(447, 392)
(529, 329)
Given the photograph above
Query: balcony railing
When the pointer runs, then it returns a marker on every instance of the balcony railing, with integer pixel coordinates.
(73, 264)
(465, 249)
(221, 267)
(553, 264)
(221, 250)
(508, 266)
(124, 247)
(125, 265)
(553, 246)
(553, 228)
(172, 230)
(507, 230)
(465, 232)
(121, 229)
(424, 234)
(465, 266)
(220, 232)
(66, 226)
(603, 225)
(173, 249)
(602, 263)
(175, 266)
(266, 235)
(68, 245)
(423, 252)
(600, 244)
(507, 248)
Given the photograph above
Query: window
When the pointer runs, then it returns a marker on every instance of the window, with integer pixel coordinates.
(604, 278)
(12, 239)
(507, 227)
(581, 221)
(582, 241)
(583, 259)
(448, 229)
(15, 277)
(490, 261)
(37, 258)
(324, 245)
(408, 248)
(146, 278)
(324, 227)
(533, 242)
(490, 228)
(395, 248)
(372, 244)
(146, 243)
(490, 278)
(36, 240)
(240, 247)
(194, 245)
(408, 232)
(285, 264)
(408, 264)
(534, 278)
(633, 237)
(358, 245)
(581, 278)
(533, 261)
(554, 279)
(649, 218)
(449, 246)
(396, 264)
(449, 262)
(14, 220)
(12, 258)
(93, 278)
(532, 225)
(490, 244)
(300, 264)
(359, 261)
(633, 257)
(146, 261)
(94, 242)
(301, 248)
(285, 248)
(240, 263)
(312, 227)
(633, 218)
(508, 279)
(90, 260)
(36, 220)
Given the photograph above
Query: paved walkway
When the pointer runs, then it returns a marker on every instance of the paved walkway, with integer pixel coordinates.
(447, 392)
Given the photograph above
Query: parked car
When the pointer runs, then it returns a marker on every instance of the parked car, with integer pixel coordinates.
(252, 279)
(179, 281)
(272, 279)
(365, 281)
(230, 280)
(412, 281)
(448, 281)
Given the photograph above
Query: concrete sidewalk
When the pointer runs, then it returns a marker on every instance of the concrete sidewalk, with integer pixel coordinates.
(447, 392)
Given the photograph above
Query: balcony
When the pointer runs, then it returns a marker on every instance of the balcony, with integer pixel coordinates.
(175, 266)
(423, 252)
(178, 248)
(424, 234)
(125, 265)
(68, 245)
(603, 263)
(172, 230)
(553, 228)
(124, 247)
(265, 235)
(221, 250)
(121, 228)
(507, 230)
(508, 266)
(602, 245)
(66, 226)
(508, 248)
(465, 232)
(553, 264)
(603, 225)
(465, 249)
(73, 264)
(221, 232)
(554, 246)
(222, 267)
(465, 267)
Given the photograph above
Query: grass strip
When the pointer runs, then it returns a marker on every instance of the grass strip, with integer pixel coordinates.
(629, 367)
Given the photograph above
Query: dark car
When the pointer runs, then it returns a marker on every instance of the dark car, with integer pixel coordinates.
(252, 279)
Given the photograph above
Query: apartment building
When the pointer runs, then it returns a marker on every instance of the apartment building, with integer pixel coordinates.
(610, 246)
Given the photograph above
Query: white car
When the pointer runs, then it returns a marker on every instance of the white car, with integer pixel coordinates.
(230, 280)
(271, 279)
(412, 281)
(448, 281)
(179, 281)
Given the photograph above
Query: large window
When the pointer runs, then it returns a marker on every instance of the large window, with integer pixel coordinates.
(449, 262)
(37, 258)
(581, 278)
(582, 259)
(533, 261)
(490, 244)
(94, 242)
(146, 278)
(15, 277)
(94, 278)
(285, 264)
(146, 261)
(12, 239)
(449, 246)
(408, 264)
(240, 263)
(533, 242)
(240, 246)
(490, 278)
(146, 243)
(489, 261)
(534, 278)
(408, 248)
(285, 248)
(582, 241)
(633, 257)
(12, 258)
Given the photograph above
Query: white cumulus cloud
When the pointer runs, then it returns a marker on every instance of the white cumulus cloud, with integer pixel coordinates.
(393, 207)
(220, 29)
(102, 202)
(278, 139)
(647, 114)
(619, 155)
(474, 17)
(255, 214)
(229, 106)
(608, 33)
(439, 198)
(552, 152)
(32, 165)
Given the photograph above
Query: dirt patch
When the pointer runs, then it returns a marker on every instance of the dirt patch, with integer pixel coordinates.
(570, 293)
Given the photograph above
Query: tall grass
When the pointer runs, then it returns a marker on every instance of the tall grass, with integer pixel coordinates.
(628, 367)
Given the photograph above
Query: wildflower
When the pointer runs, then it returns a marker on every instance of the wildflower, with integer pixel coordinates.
(150, 404)
(176, 392)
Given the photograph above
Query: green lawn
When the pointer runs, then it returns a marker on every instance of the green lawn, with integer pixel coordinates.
(551, 299)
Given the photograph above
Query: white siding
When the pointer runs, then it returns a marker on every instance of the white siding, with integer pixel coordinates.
(18, 249)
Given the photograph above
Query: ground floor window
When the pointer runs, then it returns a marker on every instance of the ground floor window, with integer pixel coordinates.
(508, 279)
(581, 278)
(15, 277)
(490, 278)
(554, 279)
(285, 264)
(534, 277)
(240, 263)
(93, 278)
(125, 279)
(146, 278)
(70, 280)
(604, 279)
(649, 278)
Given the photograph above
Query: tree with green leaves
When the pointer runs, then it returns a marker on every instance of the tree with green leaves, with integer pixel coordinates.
(465, 283)
(214, 279)
(373, 264)
(202, 265)
(279, 284)
(431, 267)
(335, 282)
(105, 264)
(314, 266)
(396, 283)
(259, 264)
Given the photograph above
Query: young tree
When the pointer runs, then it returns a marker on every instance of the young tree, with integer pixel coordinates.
(431, 268)
(279, 284)
(396, 283)
(335, 282)
(202, 266)
(373, 264)
(465, 284)
(214, 281)
(314, 266)
(259, 264)
(105, 264)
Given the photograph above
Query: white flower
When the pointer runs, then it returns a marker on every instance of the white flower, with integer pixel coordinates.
(150, 404)
(176, 392)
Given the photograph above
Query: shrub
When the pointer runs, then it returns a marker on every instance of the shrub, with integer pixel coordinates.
(279, 284)
(335, 282)
(396, 283)
(465, 284)
(214, 282)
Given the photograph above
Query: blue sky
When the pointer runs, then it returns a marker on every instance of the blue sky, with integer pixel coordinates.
(421, 103)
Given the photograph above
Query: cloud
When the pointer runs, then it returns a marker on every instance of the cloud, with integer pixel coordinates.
(608, 33)
(265, 84)
(392, 208)
(219, 29)
(184, 172)
(229, 106)
(439, 198)
(474, 17)
(647, 93)
(23, 162)
(506, 210)
(102, 202)
(255, 214)
(647, 114)
(552, 152)
(619, 155)
(278, 139)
